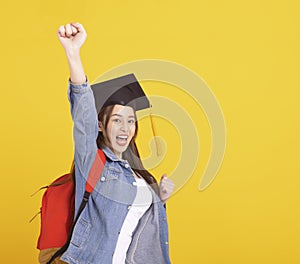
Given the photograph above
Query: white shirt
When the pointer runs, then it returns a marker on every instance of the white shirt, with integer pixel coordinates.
(140, 205)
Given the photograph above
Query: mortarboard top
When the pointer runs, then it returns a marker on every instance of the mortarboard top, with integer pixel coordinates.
(124, 90)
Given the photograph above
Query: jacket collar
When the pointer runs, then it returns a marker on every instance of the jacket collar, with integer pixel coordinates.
(109, 154)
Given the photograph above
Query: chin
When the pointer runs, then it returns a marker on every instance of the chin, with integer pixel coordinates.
(119, 149)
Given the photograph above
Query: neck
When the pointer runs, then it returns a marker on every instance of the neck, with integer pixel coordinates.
(118, 154)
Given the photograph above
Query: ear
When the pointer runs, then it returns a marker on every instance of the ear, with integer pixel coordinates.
(100, 126)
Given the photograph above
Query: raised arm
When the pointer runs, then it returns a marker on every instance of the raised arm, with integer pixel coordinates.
(72, 36)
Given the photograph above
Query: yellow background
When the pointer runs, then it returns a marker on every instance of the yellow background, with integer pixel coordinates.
(247, 52)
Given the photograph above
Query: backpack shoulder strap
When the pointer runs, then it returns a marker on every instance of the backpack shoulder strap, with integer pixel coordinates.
(93, 177)
(94, 174)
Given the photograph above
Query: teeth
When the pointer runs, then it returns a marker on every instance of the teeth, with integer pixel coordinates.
(122, 137)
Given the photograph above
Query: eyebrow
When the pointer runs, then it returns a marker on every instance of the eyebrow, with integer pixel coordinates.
(122, 116)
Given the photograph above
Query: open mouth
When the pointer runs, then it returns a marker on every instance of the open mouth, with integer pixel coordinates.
(122, 140)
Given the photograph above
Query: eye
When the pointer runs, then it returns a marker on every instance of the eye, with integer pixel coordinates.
(131, 121)
(117, 120)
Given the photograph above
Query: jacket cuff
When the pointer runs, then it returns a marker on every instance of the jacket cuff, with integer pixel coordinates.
(79, 88)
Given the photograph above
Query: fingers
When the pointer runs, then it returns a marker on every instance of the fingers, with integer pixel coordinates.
(166, 184)
(61, 32)
(166, 188)
(74, 30)
(68, 30)
(78, 27)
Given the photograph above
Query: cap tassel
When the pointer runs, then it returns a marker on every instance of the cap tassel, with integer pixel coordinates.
(157, 143)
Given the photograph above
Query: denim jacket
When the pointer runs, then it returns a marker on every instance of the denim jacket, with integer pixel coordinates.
(96, 233)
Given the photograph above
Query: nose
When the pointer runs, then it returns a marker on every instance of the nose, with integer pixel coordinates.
(125, 127)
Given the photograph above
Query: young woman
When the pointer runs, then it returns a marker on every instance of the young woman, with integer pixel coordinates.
(125, 219)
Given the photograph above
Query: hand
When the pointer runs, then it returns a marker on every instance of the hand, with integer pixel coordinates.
(71, 36)
(166, 187)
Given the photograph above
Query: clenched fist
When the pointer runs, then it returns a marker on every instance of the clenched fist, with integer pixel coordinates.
(71, 36)
(166, 187)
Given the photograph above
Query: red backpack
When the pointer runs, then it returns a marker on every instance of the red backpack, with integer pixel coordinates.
(57, 211)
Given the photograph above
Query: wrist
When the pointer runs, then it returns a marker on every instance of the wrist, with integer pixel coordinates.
(78, 81)
(163, 200)
(73, 54)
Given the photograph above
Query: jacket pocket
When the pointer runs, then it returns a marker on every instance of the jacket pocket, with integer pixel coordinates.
(112, 187)
(81, 232)
(109, 176)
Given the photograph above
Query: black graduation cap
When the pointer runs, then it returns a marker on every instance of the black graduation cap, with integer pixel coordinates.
(124, 90)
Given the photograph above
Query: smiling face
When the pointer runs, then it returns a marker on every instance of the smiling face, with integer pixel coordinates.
(120, 129)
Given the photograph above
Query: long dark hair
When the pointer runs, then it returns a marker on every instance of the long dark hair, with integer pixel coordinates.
(131, 154)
